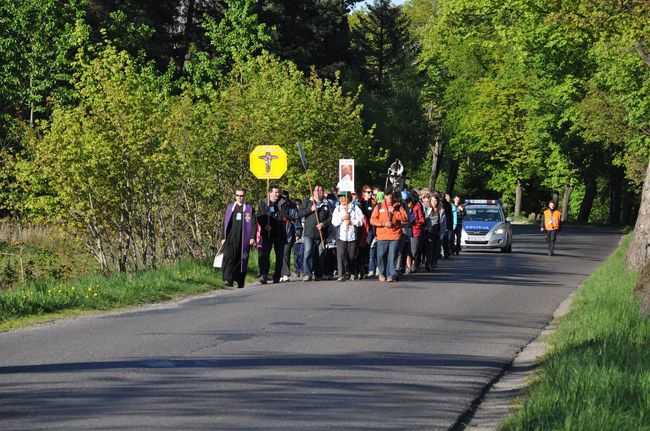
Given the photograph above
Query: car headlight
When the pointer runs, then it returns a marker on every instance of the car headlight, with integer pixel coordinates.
(500, 231)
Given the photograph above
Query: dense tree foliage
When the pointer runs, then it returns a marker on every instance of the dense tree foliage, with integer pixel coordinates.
(541, 95)
(131, 110)
(37, 45)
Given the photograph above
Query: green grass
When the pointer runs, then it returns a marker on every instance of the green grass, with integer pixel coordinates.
(597, 374)
(43, 300)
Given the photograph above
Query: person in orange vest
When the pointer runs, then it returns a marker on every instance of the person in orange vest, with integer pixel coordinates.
(551, 225)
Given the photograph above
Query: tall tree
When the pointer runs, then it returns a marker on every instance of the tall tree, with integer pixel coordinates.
(382, 42)
(309, 32)
(236, 38)
(122, 17)
(385, 64)
(38, 40)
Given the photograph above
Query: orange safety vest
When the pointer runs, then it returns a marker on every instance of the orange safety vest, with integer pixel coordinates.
(552, 221)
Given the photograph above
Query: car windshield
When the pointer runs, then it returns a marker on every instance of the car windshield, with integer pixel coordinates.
(483, 214)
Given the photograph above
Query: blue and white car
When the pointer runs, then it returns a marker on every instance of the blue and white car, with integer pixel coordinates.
(485, 226)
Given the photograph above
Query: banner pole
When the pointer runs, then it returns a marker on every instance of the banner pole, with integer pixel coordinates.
(268, 206)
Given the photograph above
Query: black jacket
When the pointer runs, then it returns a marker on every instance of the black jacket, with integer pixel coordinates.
(324, 216)
(450, 218)
(279, 214)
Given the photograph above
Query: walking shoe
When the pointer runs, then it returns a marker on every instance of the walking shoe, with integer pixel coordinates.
(353, 277)
(306, 278)
(406, 272)
(382, 278)
(371, 273)
(389, 280)
(262, 280)
(328, 277)
(227, 283)
(318, 279)
(284, 278)
(340, 279)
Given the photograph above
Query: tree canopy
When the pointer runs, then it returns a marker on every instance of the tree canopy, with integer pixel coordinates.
(122, 110)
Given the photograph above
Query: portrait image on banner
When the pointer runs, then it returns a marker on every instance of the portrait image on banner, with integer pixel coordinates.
(346, 175)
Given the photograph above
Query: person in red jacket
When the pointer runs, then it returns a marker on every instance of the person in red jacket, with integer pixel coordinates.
(551, 225)
(417, 224)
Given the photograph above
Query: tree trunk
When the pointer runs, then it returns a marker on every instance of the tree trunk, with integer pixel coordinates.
(436, 149)
(31, 103)
(185, 44)
(616, 185)
(638, 253)
(640, 49)
(565, 202)
(453, 174)
(588, 200)
(518, 193)
(628, 204)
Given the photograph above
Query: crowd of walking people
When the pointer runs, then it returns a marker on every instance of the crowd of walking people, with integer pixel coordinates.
(343, 235)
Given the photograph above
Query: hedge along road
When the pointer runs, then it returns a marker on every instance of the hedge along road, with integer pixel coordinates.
(359, 355)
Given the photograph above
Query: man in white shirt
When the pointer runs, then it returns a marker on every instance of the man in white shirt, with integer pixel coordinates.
(347, 218)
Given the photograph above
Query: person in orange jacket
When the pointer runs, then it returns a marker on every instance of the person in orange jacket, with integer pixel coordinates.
(551, 225)
(387, 218)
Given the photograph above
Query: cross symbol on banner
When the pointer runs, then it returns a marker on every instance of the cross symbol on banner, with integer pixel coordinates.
(267, 160)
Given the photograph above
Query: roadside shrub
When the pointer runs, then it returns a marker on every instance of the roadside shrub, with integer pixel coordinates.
(31, 252)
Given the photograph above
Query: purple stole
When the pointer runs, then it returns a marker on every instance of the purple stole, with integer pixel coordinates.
(249, 229)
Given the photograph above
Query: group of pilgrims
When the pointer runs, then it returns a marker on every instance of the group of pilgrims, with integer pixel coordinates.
(343, 235)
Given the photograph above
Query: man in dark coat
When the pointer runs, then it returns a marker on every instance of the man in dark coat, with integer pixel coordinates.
(315, 230)
(272, 212)
(239, 231)
(290, 228)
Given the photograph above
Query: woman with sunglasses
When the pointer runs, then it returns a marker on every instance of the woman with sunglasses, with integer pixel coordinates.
(366, 265)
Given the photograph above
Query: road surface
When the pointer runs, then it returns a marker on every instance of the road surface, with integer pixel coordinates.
(360, 355)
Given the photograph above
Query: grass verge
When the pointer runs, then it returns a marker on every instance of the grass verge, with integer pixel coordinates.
(596, 376)
(45, 300)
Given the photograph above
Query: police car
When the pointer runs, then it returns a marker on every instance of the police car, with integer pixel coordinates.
(485, 226)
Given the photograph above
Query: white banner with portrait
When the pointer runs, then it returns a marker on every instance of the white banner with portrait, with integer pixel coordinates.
(346, 175)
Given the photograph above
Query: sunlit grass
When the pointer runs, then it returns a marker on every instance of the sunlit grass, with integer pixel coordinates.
(102, 293)
(45, 300)
(597, 375)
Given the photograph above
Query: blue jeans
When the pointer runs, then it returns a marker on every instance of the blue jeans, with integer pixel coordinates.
(385, 247)
(298, 256)
(314, 260)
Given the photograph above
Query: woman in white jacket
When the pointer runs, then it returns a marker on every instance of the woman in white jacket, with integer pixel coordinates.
(347, 218)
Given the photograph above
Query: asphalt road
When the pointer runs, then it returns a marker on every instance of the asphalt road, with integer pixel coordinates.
(359, 355)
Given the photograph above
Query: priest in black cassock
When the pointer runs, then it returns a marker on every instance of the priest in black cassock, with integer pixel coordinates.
(240, 230)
